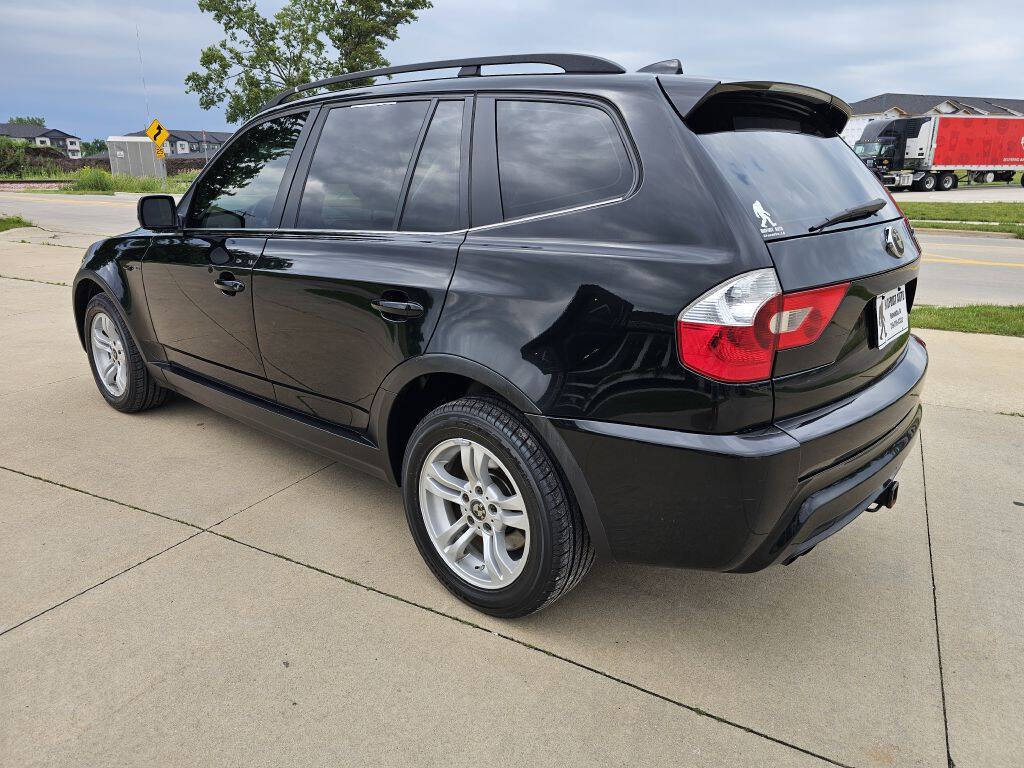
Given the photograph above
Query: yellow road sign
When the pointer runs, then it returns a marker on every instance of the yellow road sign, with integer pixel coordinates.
(160, 152)
(158, 134)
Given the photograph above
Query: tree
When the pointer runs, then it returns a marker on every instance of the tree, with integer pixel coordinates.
(304, 41)
(27, 120)
(94, 146)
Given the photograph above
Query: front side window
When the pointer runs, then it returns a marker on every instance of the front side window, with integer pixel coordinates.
(359, 165)
(240, 189)
(554, 155)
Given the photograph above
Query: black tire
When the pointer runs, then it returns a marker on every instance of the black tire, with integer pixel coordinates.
(560, 553)
(947, 181)
(141, 392)
(926, 183)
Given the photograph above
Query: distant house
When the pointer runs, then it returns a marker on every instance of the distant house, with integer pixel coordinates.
(197, 143)
(887, 106)
(67, 144)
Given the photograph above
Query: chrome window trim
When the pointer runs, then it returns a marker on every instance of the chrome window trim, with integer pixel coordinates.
(521, 219)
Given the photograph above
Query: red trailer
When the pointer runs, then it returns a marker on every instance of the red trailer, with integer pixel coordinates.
(925, 152)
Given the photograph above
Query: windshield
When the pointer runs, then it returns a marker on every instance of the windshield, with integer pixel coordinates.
(789, 182)
(873, 149)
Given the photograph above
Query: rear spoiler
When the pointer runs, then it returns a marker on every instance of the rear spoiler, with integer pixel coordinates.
(708, 106)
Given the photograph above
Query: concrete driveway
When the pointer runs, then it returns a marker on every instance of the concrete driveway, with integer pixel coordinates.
(177, 588)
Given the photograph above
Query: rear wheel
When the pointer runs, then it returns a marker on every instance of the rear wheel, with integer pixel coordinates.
(988, 177)
(117, 365)
(947, 181)
(926, 183)
(489, 511)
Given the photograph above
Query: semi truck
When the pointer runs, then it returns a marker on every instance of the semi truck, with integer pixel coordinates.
(926, 152)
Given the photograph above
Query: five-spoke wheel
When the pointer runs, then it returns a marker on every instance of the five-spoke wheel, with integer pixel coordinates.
(108, 354)
(116, 362)
(474, 513)
(489, 510)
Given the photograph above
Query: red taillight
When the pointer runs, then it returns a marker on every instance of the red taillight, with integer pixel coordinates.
(805, 314)
(731, 333)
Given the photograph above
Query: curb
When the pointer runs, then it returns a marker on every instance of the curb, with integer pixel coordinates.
(962, 232)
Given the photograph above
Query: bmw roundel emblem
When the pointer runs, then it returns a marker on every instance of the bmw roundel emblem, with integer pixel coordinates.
(894, 242)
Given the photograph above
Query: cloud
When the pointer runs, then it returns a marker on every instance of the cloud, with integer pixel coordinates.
(77, 62)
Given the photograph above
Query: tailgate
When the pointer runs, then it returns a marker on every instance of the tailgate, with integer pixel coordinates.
(846, 358)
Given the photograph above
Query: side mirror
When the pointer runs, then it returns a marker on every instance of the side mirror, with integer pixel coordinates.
(157, 212)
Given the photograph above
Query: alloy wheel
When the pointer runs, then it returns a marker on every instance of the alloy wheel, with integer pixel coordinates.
(108, 354)
(474, 513)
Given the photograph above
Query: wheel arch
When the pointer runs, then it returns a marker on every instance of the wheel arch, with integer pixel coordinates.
(87, 285)
(420, 384)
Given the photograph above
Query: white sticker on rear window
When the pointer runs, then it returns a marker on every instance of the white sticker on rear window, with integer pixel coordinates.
(768, 227)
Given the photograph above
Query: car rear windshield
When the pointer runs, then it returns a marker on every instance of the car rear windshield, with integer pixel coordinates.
(789, 182)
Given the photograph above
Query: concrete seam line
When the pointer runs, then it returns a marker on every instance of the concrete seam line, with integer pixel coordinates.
(98, 584)
(530, 646)
(271, 495)
(935, 603)
(101, 498)
(33, 280)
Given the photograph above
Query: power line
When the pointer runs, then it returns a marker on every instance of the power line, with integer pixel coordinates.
(142, 73)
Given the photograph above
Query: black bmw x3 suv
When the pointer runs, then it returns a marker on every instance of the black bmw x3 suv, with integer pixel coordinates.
(654, 316)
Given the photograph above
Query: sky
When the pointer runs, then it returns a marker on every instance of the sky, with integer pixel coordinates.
(76, 62)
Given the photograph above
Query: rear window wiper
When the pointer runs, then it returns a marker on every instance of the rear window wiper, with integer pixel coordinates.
(851, 214)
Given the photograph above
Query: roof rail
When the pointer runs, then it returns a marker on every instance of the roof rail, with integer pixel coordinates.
(570, 63)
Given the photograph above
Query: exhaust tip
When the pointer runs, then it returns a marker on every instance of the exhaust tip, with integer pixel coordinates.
(890, 494)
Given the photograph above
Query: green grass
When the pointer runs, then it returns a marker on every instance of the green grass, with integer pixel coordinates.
(95, 180)
(1013, 229)
(1004, 217)
(1002, 213)
(13, 222)
(975, 318)
(39, 174)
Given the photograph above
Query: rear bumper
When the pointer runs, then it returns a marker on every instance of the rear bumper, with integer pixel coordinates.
(743, 502)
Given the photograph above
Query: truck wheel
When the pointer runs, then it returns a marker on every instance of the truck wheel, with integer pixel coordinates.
(926, 183)
(489, 511)
(988, 177)
(947, 181)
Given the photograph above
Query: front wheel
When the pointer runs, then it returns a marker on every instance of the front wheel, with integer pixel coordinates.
(116, 362)
(489, 511)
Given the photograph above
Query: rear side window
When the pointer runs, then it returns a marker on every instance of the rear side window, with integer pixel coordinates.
(240, 188)
(433, 203)
(359, 165)
(789, 182)
(554, 155)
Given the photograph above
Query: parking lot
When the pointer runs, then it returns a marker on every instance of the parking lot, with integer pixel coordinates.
(178, 588)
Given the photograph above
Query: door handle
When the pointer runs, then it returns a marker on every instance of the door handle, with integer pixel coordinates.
(404, 309)
(229, 286)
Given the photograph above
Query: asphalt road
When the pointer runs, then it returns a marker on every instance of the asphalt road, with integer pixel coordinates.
(955, 270)
(179, 589)
(970, 270)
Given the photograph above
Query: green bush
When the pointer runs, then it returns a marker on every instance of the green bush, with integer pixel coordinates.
(12, 155)
(93, 180)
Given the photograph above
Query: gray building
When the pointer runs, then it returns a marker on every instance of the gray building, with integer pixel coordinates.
(196, 143)
(887, 106)
(68, 145)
